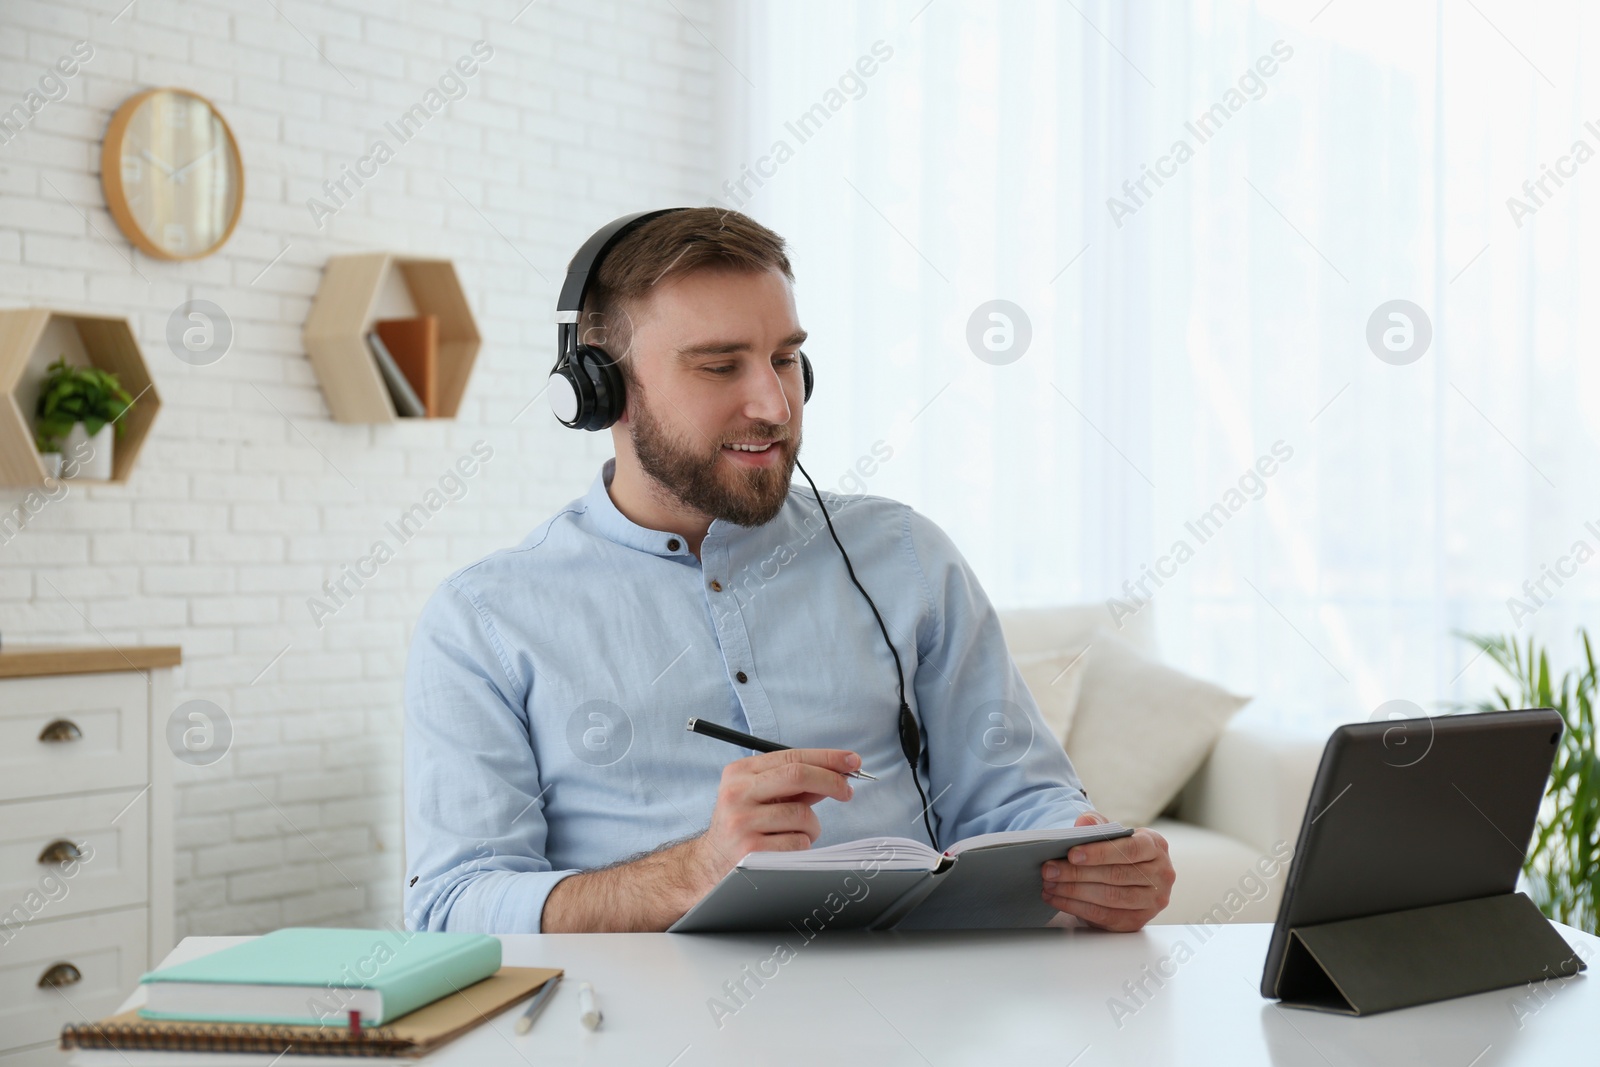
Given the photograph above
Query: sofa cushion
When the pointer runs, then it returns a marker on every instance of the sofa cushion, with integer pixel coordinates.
(1071, 627)
(1141, 729)
(1220, 878)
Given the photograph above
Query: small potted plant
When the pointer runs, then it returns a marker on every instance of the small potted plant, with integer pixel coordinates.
(79, 412)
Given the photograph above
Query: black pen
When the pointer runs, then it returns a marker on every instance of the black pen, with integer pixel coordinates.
(734, 737)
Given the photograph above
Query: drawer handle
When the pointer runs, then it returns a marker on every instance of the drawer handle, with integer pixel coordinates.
(60, 852)
(61, 730)
(62, 974)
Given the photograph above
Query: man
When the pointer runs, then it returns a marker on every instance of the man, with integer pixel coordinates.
(550, 783)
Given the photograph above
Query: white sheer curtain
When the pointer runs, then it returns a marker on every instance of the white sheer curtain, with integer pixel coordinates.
(1366, 154)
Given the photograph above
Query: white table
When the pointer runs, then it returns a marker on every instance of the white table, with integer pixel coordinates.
(1013, 999)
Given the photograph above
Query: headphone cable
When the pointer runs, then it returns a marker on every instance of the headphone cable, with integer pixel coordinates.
(910, 741)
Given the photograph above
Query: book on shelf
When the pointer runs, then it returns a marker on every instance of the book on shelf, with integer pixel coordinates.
(406, 402)
(413, 345)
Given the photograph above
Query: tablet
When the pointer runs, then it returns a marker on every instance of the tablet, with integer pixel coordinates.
(1410, 812)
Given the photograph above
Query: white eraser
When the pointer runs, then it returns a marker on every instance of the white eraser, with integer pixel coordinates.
(588, 1011)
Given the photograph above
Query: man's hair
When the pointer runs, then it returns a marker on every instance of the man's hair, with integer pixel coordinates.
(668, 246)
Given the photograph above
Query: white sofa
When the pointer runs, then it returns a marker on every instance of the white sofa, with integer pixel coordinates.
(1247, 797)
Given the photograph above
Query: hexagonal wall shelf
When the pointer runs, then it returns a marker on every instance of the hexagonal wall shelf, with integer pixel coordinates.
(30, 340)
(356, 291)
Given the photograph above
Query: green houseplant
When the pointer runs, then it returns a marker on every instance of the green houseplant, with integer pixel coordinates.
(89, 396)
(1563, 866)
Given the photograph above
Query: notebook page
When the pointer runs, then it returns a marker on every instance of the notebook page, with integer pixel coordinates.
(882, 853)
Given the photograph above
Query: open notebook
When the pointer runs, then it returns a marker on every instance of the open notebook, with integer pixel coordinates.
(878, 883)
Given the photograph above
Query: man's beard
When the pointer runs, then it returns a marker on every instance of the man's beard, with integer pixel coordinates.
(703, 479)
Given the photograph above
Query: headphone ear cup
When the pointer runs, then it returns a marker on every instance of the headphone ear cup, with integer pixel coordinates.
(805, 370)
(566, 397)
(601, 381)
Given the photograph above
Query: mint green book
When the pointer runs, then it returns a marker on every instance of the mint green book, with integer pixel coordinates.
(310, 976)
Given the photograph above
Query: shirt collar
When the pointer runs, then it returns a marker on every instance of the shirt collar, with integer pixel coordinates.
(615, 526)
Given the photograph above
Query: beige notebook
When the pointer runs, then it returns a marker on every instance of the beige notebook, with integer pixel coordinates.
(413, 1034)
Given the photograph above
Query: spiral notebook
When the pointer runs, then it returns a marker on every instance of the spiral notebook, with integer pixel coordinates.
(411, 1035)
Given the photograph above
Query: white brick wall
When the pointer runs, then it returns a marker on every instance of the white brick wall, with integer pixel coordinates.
(587, 109)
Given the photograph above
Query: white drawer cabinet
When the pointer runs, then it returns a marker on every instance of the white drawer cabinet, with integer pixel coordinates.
(85, 836)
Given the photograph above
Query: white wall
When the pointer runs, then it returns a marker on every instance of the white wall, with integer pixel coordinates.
(247, 497)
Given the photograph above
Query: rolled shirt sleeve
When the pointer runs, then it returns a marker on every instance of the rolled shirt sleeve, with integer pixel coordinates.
(474, 809)
(993, 763)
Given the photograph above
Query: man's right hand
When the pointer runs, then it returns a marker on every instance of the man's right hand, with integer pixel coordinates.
(764, 805)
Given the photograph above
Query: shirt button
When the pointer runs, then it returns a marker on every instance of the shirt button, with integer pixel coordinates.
(672, 545)
(716, 585)
(741, 677)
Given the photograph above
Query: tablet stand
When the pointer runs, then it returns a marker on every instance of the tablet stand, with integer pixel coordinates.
(1402, 958)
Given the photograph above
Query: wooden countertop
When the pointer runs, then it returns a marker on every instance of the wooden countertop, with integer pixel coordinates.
(27, 661)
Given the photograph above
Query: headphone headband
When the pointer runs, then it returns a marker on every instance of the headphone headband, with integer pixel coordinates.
(588, 258)
(580, 272)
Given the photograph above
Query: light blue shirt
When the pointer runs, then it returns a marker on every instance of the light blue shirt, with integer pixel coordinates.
(549, 686)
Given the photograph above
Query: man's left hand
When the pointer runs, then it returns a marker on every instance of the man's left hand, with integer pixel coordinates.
(1114, 885)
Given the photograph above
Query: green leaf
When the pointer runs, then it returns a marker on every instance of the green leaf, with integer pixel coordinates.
(1563, 861)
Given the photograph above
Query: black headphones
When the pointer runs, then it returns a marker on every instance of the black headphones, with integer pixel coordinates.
(586, 393)
(586, 385)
